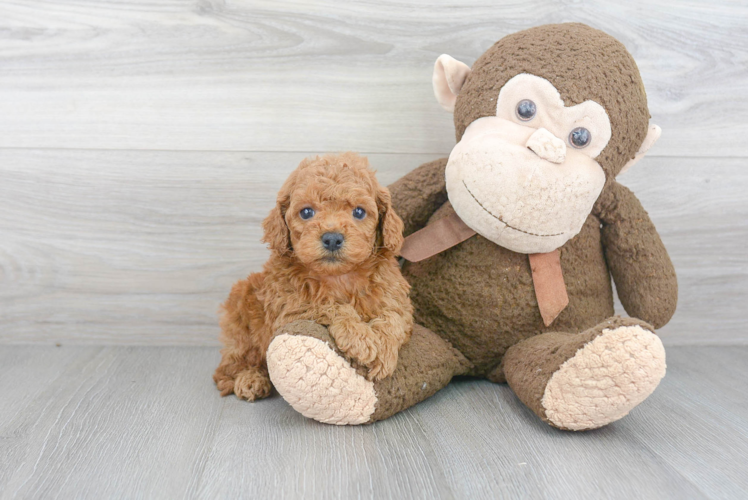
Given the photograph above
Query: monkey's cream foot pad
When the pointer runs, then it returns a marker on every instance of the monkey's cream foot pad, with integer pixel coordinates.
(605, 379)
(319, 383)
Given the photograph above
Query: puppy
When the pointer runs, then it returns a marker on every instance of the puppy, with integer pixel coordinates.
(333, 238)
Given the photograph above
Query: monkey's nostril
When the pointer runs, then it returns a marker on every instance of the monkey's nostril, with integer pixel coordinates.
(332, 241)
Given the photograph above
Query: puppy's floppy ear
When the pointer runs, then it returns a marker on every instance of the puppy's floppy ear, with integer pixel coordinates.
(276, 233)
(390, 224)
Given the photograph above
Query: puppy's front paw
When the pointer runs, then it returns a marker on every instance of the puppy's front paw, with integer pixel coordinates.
(356, 340)
(252, 384)
(359, 342)
(383, 365)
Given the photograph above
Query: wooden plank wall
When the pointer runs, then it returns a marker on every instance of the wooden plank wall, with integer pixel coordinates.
(141, 143)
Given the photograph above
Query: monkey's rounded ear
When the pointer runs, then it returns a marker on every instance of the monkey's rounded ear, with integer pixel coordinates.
(449, 77)
(653, 134)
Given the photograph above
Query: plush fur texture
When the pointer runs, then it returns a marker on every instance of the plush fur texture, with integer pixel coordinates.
(312, 374)
(568, 379)
(589, 391)
(583, 64)
(315, 379)
(476, 303)
(357, 290)
(515, 196)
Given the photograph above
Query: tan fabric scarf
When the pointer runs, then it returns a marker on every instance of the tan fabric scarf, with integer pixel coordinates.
(547, 278)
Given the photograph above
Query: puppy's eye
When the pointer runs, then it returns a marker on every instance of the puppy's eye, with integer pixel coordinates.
(359, 213)
(306, 213)
(526, 110)
(580, 137)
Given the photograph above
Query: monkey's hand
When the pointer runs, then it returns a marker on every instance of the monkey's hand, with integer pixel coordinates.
(638, 261)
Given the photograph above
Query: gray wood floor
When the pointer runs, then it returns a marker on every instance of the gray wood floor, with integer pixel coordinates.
(147, 422)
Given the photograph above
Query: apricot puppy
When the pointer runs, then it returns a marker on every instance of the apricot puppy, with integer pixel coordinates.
(333, 238)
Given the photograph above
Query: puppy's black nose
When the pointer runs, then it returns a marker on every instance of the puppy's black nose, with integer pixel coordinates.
(332, 241)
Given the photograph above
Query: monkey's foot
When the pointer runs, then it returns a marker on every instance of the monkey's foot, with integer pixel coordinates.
(317, 381)
(585, 381)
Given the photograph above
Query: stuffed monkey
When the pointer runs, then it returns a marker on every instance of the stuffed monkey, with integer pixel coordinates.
(513, 243)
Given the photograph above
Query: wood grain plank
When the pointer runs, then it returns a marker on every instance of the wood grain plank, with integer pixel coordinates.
(699, 417)
(26, 374)
(140, 247)
(115, 423)
(685, 441)
(147, 422)
(496, 448)
(141, 423)
(311, 76)
(268, 448)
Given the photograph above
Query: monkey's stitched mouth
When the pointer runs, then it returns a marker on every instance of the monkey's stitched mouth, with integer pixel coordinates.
(498, 217)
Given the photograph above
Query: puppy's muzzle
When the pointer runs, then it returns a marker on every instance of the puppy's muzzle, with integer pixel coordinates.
(332, 241)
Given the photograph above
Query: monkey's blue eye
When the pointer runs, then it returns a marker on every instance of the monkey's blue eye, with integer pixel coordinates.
(306, 213)
(580, 137)
(526, 110)
(359, 213)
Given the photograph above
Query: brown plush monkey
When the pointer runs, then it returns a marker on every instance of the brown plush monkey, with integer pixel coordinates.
(517, 235)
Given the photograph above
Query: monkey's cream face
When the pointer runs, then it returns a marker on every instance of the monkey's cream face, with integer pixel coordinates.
(527, 178)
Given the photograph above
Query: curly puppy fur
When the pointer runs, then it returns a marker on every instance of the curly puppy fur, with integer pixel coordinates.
(357, 291)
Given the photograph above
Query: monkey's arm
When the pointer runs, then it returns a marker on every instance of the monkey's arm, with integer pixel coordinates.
(637, 259)
(417, 195)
